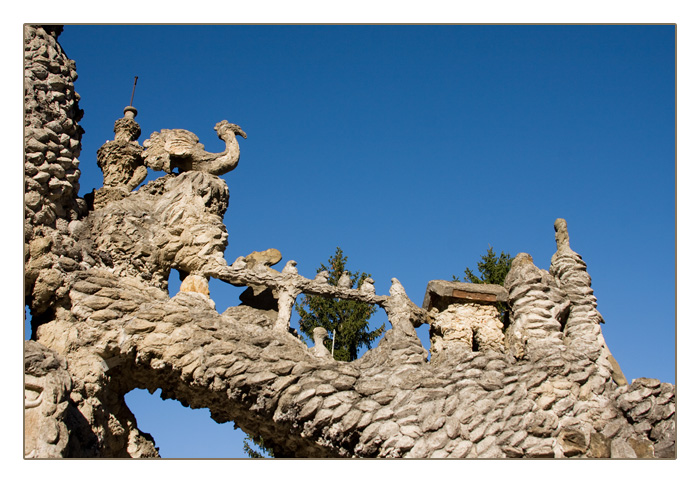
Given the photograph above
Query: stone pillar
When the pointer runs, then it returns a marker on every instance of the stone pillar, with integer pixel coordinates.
(465, 318)
(51, 132)
(287, 297)
(583, 325)
(121, 160)
(536, 308)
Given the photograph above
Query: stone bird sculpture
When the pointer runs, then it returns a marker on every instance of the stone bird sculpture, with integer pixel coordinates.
(367, 286)
(345, 281)
(396, 288)
(178, 148)
(319, 350)
(290, 267)
(321, 277)
(239, 264)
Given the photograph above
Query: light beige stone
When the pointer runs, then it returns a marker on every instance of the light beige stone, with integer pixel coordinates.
(195, 283)
(97, 281)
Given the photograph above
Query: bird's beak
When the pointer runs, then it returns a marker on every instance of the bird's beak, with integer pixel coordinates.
(243, 134)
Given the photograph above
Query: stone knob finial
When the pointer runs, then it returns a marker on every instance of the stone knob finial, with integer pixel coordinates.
(195, 283)
(130, 112)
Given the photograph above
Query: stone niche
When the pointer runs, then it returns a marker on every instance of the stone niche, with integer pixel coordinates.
(464, 317)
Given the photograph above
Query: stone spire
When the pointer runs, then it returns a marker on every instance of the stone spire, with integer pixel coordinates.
(582, 325)
(121, 160)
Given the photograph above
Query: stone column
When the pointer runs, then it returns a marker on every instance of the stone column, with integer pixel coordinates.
(582, 328)
(121, 160)
(535, 330)
(51, 132)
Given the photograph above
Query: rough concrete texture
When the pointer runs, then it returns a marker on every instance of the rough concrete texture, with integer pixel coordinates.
(51, 132)
(464, 328)
(544, 386)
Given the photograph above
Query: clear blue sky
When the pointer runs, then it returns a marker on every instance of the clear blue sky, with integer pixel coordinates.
(414, 148)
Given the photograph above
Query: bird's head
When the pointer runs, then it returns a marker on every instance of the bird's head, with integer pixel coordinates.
(224, 126)
(320, 334)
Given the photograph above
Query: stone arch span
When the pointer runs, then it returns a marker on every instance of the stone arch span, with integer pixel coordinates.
(96, 276)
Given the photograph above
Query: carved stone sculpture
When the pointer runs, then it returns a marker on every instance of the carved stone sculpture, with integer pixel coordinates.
(344, 281)
(367, 286)
(47, 386)
(290, 267)
(121, 160)
(176, 148)
(582, 323)
(319, 350)
(104, 323)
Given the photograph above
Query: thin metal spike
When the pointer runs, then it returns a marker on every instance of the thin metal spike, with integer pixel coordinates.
(131, 102)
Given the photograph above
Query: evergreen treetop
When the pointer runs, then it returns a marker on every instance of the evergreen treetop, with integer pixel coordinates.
(493, 269)
(348, 318)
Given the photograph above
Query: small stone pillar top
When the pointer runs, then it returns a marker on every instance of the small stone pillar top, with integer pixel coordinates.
(441, 293)
(130, 112)
(561, 234)
(127, 129)
(121, 161)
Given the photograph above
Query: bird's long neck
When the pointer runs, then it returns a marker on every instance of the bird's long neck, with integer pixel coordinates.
(227, 160)
(232, 148)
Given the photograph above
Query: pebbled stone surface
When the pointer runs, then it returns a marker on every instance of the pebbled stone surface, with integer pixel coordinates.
(545, 386)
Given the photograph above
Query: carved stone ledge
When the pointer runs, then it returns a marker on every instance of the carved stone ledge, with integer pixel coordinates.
(441, 293)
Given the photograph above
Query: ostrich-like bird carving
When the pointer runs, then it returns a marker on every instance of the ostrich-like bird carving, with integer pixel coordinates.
(178, 148)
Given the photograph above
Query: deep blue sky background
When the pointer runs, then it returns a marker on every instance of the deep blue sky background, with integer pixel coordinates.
(414, 148)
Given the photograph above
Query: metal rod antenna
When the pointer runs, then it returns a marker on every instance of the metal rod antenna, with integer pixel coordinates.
(131, 102)
(333, 344)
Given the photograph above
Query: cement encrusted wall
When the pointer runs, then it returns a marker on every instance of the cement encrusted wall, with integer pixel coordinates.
(51, 131)
(105, 324)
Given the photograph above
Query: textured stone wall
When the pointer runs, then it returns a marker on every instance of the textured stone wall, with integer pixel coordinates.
(51, 175)
(464, 327)
(544, 386)
(51, 133)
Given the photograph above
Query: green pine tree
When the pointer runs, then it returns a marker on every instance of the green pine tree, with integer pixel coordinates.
(255, 448)
(349, 318)
(493, 269)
